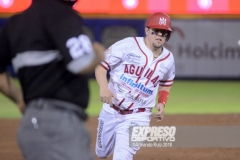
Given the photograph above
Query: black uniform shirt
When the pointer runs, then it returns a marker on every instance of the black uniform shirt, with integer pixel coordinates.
(47, 49)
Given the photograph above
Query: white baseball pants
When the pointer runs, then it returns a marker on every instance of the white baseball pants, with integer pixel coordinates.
(113, 132)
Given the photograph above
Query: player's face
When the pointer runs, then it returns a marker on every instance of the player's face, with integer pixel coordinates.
(156, 37)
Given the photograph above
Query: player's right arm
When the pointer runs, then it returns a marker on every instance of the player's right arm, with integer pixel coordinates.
(113, 57)
(105, 94)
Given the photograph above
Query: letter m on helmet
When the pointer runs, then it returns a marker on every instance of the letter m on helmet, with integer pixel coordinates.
(162, 21)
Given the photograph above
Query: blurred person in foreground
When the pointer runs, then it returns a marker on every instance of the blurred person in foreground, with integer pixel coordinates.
(52, 57)
(141, 68)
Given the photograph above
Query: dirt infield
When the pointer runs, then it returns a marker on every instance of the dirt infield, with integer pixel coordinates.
(10, 151)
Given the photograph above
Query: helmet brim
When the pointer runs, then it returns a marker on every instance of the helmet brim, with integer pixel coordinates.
(159, 27)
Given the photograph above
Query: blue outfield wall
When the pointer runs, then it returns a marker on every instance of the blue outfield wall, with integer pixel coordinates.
(207, 49)
(97, 25)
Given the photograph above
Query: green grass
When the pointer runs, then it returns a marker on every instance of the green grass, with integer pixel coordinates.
(204, 97)
(187, 97)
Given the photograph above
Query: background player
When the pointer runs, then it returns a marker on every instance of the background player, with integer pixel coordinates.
(140, 68)
(51, 56)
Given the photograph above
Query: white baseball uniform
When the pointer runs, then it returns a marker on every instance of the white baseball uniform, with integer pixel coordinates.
(134, 78)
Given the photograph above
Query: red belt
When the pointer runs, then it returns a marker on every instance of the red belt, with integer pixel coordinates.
(126, 111)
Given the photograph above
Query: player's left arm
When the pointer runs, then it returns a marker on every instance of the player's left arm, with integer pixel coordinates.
(163, 92)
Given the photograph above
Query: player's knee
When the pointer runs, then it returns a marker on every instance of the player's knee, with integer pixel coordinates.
(101, 154)
(125, 156)
(123, 153)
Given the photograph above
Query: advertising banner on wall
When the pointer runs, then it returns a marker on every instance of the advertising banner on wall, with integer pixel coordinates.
(206, 48)
(203, 48)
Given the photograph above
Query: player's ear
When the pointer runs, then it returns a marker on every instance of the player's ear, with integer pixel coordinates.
(146, 30)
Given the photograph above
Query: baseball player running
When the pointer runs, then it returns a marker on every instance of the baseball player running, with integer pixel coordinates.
(140, 68)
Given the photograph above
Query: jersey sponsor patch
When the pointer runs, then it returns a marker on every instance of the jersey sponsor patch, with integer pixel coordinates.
(133, 85)
(78, 46)
(133, 58)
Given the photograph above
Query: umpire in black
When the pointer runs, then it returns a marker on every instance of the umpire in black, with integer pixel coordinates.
(50, 54)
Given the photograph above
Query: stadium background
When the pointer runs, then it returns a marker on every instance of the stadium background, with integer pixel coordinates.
(206, 45)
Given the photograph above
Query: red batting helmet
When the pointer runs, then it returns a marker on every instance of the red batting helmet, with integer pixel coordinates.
(160, 20)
